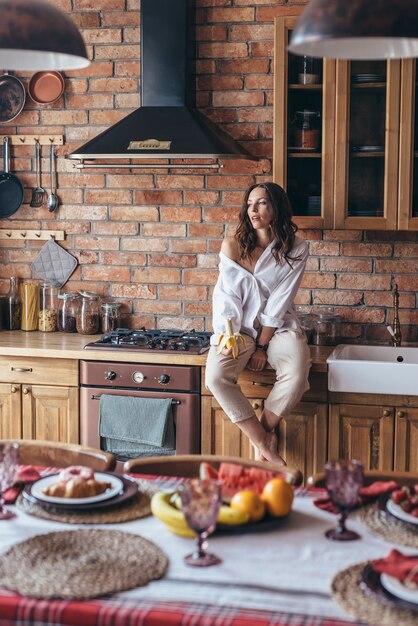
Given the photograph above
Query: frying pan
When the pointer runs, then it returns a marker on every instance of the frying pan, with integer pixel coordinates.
(12, 97)
(11, 189)
(46, 87)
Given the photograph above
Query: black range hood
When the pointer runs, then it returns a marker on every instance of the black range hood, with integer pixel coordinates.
(167, 125)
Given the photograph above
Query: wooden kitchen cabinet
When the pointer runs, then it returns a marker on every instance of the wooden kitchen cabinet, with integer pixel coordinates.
(383, 436)
(39, 399)
(362, 432)
(304, 170)
(365, 173)
(303, 433)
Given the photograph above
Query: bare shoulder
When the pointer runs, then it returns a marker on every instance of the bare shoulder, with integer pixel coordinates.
(230, 248)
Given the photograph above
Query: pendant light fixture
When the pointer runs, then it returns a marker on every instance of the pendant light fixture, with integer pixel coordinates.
(357, 29)
(34, 35)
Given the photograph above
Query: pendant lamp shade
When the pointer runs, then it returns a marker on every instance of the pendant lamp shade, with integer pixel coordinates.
(357, 29)
(34, 35)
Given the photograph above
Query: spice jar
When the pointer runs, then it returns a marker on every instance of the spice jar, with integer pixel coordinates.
(48, 308)
(308, 73)
(67, 312)
(87, 321)
(110, 316)
(13, 306)
(306, 129)
(326, 329)
(29, 293)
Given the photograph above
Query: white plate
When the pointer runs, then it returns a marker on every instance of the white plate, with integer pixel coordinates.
(398, 512)
(398, 589)
(39, 485)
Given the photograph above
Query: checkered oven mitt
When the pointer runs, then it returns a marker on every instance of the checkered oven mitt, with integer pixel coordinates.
(54, 264)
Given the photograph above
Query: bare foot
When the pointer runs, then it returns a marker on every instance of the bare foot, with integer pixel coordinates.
(268, 450)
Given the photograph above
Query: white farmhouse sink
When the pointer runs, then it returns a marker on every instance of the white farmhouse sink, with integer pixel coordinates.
(373, 369)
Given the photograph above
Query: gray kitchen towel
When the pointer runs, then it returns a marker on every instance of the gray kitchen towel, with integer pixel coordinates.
(132, 427)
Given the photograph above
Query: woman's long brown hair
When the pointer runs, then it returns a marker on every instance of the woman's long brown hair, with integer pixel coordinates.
(283, 229)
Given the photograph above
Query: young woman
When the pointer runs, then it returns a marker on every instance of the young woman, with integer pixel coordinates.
(259, 274)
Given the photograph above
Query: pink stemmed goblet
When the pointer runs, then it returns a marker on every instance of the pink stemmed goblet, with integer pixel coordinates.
(344, 480)
(201, 500)
(9, 458)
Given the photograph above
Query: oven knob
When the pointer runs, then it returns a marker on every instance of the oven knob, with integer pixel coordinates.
(110, 375)
(164, 379)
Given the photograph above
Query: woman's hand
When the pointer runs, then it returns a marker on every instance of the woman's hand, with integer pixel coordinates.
(258, 361)
(226, 351)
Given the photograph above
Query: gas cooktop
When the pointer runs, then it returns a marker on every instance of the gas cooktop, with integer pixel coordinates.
(194, 342)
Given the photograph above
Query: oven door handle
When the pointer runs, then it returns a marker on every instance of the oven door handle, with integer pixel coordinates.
(172, 401)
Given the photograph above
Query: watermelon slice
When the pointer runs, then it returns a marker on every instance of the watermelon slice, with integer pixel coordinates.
(235, 477)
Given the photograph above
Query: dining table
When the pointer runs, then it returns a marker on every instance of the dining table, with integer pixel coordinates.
(277, 575)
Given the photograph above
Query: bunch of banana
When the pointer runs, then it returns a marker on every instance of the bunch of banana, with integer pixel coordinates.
(230, 340)
(165, 505)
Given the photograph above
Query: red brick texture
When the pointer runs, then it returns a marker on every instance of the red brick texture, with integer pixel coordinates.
(150, 238)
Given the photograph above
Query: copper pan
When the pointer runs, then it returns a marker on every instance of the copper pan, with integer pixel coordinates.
(46, 87)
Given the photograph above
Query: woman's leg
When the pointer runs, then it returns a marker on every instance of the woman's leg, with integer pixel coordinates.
(221, 380)
(289, 355)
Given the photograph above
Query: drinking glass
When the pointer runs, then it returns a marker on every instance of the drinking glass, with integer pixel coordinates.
(344, 479)
(9, 459)
(201, 500)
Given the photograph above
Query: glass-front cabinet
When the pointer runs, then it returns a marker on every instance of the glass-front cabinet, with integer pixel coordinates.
(408, 148)
(367, 144)
(346, 139)
(303, 146)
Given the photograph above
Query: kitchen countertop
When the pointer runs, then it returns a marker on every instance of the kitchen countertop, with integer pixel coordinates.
(70, 346)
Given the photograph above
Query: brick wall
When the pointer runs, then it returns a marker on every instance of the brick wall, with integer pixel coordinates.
(150, 239)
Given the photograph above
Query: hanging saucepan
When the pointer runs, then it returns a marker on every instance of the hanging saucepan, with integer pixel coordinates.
(12, 97)
(11, 189)
(46, 87)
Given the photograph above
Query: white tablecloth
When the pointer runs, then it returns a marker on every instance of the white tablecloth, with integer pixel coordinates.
(286, 569)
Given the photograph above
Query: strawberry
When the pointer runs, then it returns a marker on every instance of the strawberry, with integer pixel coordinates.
(399, 495)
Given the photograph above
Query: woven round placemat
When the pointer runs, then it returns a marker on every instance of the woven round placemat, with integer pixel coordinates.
(365, 606)
(80, 564)
(387, 526)
(137, 507)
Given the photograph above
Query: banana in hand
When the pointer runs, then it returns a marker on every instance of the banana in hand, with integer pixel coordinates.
(230, 340)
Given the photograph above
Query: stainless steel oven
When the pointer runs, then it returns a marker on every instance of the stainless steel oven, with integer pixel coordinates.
(181, 383)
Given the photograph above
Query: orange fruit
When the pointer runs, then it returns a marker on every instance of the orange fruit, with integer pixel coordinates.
(249, 502)
(278, 497)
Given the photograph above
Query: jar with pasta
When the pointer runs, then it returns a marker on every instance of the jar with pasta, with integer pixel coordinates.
(47, 320)
(29, 292)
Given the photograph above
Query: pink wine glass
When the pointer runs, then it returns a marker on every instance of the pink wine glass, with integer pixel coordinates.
(201, 500)
(9, 458)
(344, 480)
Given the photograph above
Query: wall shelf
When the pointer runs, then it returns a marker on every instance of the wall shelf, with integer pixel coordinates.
(30, 140)
(8, 233)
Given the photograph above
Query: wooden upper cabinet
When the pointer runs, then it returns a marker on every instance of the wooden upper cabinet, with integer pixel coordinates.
(367, 115)
(408, 148)
(303, 144)
(362, 172)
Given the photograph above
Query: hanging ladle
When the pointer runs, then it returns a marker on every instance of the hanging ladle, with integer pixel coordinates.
(52, 198)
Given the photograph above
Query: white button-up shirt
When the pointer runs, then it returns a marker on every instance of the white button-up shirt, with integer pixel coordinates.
(262, 298)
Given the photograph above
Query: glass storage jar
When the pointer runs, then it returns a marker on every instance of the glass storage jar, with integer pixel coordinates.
(29, 292)
(48, 309)
(306, 131)
(110, 316)
(87, 321)
(67, 312)
(13, 306)
(326, 329)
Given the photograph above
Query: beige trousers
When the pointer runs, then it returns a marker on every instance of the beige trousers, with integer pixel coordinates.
(288, 353)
